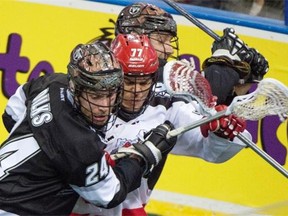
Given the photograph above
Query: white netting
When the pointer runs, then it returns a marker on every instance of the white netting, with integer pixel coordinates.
(270, 98)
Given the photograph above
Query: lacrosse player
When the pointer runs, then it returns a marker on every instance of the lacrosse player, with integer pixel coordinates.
(231, 69)
(141, 109)
(55, 151)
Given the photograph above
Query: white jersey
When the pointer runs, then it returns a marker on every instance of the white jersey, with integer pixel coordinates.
(191, 143)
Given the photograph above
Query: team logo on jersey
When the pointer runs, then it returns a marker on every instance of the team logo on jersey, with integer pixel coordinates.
(40, 109)
(124, 142)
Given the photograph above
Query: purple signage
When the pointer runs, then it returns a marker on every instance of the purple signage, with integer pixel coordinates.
(12, 63)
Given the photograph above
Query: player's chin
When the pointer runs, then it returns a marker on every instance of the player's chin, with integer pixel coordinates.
(100, 120)
(133, 107)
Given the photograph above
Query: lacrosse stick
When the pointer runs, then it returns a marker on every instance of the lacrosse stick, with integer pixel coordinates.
(192, 19)
(270, 98)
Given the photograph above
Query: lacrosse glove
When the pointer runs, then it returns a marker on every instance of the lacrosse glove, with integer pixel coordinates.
(258, 64)
(232, 51)
(226, 127)
(155, 146)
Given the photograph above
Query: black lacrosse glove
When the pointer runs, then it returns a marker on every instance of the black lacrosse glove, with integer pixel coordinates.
(228, 51)
(230, 45)
(239, 53)
(259, 65)
(155, 146)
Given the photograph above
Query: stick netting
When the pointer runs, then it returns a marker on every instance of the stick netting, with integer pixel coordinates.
(270, 98)
(181, 77)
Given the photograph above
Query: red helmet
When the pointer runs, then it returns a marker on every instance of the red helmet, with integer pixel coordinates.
(136, 54)
(139, 61)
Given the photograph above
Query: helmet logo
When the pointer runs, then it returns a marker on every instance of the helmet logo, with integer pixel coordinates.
(134, 10)
(77, 55)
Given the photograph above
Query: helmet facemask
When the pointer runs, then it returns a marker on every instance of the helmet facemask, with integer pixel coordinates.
(137, 93)
(95, 81)
(165, 45)
(140, 63)
(85, 102)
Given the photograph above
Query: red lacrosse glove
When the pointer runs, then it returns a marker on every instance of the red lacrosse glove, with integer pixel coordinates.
(109, 159)
(227, 126)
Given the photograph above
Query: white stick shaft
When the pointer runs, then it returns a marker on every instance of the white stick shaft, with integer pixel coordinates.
(195, 124)
(118, 155)
(263, 154)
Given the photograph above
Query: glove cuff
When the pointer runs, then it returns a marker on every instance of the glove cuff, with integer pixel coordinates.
(225, 52)
(241, 67)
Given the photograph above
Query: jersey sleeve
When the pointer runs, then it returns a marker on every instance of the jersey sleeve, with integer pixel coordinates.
(191, 143)
(16, 105)
(222, 80)
(15, 109)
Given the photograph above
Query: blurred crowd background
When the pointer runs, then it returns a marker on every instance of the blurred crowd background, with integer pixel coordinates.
(265, 8)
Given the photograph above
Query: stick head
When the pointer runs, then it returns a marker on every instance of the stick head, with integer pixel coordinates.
(270, 98)
(182, 78)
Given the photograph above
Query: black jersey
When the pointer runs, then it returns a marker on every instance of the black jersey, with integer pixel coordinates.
(52, 155)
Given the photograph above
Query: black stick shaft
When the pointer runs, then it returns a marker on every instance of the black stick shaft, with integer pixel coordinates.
(193, 19)
(264, 155)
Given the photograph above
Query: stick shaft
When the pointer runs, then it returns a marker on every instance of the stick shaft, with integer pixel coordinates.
(264, 155)
(195, 124)
(248, 142)
(193, 19)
